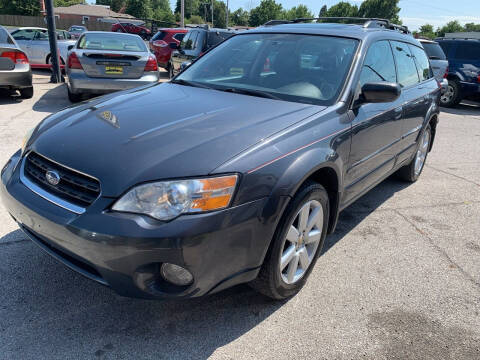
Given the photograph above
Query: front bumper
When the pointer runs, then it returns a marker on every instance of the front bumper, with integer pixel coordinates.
(80, 83)
(125, 251)
(18, 78)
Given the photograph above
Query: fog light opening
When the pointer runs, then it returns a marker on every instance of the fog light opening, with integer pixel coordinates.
(176, 275)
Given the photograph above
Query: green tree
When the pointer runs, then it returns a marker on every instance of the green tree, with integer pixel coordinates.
(267, 10)
(297, 12)
(20, 7)
(385, 9)
(240, 17)
(219, 14)
(118, 5)
(323, 11)
(192, 7)
(426, 31)
(451, 27)
(141, 9)
(61, 3)
(470, 27)
(162, 11)
(343, 9)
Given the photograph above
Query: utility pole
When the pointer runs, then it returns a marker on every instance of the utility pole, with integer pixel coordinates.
(182, 15)
(226, 20)
(212, 12)
(52, 38)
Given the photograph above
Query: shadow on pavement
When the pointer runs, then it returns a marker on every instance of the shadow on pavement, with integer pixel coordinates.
(77, 316)
(464, 108)
(53, 100)
(8, 97)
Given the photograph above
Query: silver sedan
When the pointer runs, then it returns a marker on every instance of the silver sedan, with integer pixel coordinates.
(103, 62)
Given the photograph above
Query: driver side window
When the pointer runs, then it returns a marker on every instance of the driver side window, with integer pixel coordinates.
(379, 64)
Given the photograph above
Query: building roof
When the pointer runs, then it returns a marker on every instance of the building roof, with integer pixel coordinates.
(90, 10)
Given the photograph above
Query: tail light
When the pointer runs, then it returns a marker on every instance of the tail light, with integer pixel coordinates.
(17, 57)
(160, 43)
(151, 64)
(73, 62)
(446, 73)
(478, 78)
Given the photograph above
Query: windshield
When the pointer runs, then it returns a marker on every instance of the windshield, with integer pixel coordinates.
(77, 29)
(302, 68)
(115, 41)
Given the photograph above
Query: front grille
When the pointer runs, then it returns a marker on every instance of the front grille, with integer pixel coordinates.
(74, 187)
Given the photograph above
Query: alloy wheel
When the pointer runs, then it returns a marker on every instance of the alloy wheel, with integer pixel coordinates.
(422, 153)
(301, 242)
(447, 96)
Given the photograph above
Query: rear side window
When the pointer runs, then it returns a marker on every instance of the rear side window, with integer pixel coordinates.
(434, 51)
(5, 38)
(179, 36)
(27, 34)
(188, 42)
(216, 37)
(406, 69)
(159, 35)
(379, 64)
(423, 65)
(468, 50)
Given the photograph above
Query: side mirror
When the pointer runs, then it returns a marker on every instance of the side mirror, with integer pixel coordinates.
(174, 46)
(184, 65)
(380, 92)
(70, 47)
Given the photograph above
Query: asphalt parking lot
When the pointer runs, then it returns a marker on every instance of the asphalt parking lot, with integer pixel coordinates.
(399, 279)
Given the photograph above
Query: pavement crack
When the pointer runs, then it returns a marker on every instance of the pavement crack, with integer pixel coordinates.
(457, 176)
(442, 252)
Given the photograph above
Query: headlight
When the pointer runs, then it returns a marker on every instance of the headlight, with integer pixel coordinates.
(26, 138)
(166, 200)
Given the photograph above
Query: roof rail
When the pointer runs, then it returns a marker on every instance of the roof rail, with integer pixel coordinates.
(367, 22)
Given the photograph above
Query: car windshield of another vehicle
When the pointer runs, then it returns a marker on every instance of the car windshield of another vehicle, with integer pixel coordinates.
(77, 29)
(112, 42)
(292, 67)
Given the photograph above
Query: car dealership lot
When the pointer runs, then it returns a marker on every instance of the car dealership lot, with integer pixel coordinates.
(400, 278)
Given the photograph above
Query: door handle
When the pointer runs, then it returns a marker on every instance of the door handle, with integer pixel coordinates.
(398, 112)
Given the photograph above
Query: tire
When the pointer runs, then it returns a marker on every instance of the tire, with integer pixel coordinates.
(272, 280)
(26, 93)
(452, 95)
(413, 170)
(74, 98)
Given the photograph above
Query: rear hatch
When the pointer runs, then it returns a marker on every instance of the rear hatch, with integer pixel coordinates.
(112, 64)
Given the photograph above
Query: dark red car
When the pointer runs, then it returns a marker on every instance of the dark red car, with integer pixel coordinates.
(130, 28)
(159, 44)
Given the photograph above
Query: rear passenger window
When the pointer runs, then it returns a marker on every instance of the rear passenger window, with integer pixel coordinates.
(406, 69)
(468, 50)
(423, 65)
(379, 64)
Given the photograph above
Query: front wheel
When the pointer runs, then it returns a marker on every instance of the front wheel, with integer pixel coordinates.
(412, 171)
(296, 245)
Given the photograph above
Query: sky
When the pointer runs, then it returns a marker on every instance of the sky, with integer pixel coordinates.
(414, 13)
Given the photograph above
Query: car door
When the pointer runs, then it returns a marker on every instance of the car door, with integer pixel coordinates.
(414, 93)
(376, 127)
(186, 52)
(40, 47)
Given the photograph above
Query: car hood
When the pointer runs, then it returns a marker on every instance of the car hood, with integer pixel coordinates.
(160, 132)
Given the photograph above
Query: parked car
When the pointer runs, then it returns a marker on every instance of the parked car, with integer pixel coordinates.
(160, 44)
(228, 173)
(34, 42)
(130, 28)
(15, 72)
(463, 70)
(194, 44)
(103, 62)
(77, 30)
(438, 60)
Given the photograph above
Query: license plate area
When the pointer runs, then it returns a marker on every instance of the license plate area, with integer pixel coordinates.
(113, 68)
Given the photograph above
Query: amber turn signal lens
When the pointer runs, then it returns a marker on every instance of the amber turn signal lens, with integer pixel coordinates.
(215, 193)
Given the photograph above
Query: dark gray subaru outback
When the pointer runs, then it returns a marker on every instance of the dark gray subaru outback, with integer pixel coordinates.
(234, 171)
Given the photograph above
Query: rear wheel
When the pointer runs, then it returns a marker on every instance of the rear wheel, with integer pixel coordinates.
(296, 245)
(452, 96)
(74, 98)
(26, 93)
(412, 171)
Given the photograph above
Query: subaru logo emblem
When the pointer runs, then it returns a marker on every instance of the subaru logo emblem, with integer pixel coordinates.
(52, 177)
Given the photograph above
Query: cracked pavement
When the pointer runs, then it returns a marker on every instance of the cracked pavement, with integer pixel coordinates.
(399, 279)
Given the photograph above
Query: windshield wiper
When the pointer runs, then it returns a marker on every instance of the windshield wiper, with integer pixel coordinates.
(251, 92)
(189, 83)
